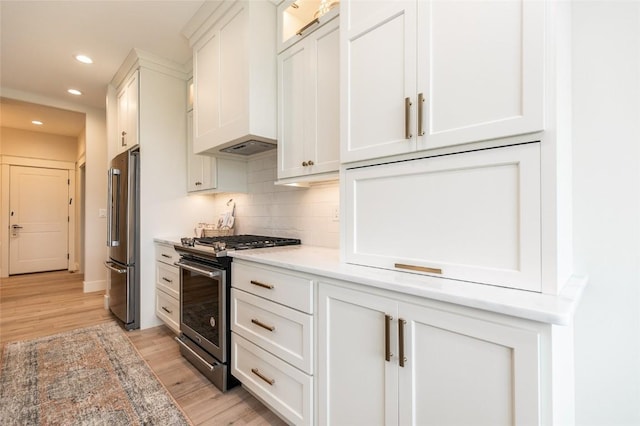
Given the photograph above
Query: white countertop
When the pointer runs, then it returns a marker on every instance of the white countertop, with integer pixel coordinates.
(167, 240)
(523, 304)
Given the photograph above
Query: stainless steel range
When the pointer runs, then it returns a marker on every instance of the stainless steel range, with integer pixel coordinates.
(205, 285)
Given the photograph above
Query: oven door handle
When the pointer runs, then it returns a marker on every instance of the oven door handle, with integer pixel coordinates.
(207, 272)
(209, 366)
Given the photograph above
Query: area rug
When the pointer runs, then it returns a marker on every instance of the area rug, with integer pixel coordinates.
(90, 376)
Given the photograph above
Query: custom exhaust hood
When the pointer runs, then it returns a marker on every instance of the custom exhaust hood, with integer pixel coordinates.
(249, 147)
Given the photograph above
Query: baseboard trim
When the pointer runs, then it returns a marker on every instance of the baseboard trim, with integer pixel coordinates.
(91, 286)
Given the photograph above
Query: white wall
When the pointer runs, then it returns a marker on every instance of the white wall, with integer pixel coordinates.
(606, 141)
(283, 211)
(29, 144)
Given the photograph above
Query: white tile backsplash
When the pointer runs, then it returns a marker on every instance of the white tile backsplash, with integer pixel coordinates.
(283, 211)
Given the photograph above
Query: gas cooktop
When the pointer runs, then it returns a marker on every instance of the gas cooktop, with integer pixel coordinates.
(220, 245)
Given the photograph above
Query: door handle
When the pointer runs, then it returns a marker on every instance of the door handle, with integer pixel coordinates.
(387, 339)
(111, 265)
(401, 356)
(407, 118)
(421, 101)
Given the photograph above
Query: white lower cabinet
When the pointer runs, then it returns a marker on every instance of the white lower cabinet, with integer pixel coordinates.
(167, 286)
(386, 361)
(272, 338)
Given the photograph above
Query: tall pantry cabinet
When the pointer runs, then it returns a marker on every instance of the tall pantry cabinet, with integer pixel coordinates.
(456, 166)
(161, 102)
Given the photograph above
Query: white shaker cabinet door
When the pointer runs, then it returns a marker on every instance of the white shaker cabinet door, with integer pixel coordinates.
(378, 48)
(480, 70)
(464, 371)
(357, 386)
(473, 216)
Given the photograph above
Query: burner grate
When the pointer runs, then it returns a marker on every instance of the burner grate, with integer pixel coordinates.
(244, 242)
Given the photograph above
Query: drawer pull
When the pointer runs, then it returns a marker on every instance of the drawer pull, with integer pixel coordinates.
(418, 268)
(167, 280)
(169, 311)
(263, 285)
(262, 376)
(166, 255)
(263, 325)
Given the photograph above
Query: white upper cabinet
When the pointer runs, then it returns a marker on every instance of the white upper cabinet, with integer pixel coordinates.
(419, 75)
(208, 174)
(128, 96)
(308, 106)
(298, 18)
(473, 216)
(234, 73)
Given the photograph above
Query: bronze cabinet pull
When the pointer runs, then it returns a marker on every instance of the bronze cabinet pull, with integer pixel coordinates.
(301, 30)
(407, 118)
(418, 268)
(387, 342)
(167, 310)
(263, 325)
(262, 376)
(401, 324)
(263, 285)
(420, 114)
(167, 280)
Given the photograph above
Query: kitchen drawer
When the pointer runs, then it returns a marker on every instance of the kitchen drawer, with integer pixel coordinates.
(295, 291)
(166, 253)
(168, 310)
(282, 331)
(285, 389)
(168, 279)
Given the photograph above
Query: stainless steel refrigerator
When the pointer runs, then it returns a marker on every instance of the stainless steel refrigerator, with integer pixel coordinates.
(123, 237)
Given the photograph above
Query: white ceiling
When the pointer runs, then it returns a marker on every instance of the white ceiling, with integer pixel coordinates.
(39, 39)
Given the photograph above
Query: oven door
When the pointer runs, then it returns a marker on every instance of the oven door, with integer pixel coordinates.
(203, 315)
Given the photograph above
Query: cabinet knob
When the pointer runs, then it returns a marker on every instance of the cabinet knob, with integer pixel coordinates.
(305, 164)
(310, 162)
(123, 135)
(198, 183)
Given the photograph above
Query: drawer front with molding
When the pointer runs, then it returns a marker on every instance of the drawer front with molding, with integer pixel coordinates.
(295, 291)
(168, 279)
(168, 310)
(166, 254)
(282, 331)
(473, 216)
(284, 388)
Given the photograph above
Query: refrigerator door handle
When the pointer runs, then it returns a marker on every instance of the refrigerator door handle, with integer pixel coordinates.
(112, 212)
(111, 266)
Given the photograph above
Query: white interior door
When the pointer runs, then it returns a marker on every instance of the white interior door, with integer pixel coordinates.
(38, 219)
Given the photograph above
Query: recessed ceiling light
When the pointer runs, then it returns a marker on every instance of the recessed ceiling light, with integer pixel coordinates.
(84, 59)
(36, 122)
(75, 92)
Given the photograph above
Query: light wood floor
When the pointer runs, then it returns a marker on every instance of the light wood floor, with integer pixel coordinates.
(37, 305)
